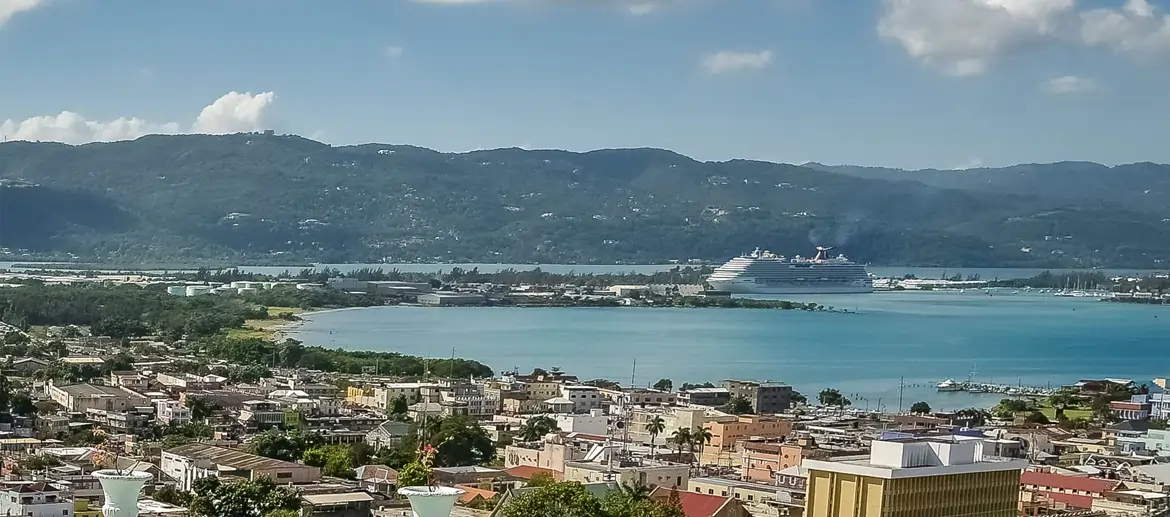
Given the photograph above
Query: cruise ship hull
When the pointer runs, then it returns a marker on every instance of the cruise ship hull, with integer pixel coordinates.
(741, 287)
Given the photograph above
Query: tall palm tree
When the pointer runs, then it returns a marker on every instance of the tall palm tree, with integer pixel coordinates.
(655, 427)
(681, 437)
(702, 438)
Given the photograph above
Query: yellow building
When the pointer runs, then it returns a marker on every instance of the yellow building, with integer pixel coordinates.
(936, 477)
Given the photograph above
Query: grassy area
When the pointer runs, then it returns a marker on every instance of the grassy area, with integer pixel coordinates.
(1068, 413)
(263, 329)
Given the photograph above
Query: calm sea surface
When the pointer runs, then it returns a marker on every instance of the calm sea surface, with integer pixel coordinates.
(922, 337)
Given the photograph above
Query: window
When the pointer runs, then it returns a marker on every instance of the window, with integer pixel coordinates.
(284, 475)
(751, 497)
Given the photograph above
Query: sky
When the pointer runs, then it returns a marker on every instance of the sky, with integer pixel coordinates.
(900, 83)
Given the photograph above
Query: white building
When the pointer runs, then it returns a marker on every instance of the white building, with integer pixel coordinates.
(34, 499)
(584, 398)
(173, 412)
(594, 423)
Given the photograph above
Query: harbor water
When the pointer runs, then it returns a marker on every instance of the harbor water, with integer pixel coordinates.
(914, 338)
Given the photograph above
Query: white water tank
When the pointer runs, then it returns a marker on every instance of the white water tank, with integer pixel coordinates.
(177, 290)
(239, 284)
(247, 290)
(196, 290)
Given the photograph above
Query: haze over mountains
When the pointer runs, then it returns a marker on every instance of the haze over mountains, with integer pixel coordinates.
(272, 198)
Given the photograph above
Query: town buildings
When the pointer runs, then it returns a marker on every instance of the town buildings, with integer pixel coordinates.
(187, 463)
(766, 398)
(35, 499)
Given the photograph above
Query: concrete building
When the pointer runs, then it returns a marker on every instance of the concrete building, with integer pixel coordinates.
(584, 398)
(387, 434)
(173, 412)
(941, 477)
(382, 397)
(129, 379)
(450, 299)
(1137, 408)
(766, 397)
(595, 423)
(76, 398)
(189, 381)
(724, 435)
(259, 415)
(705, 396)
(188, 463)
(34, 499)
(762, 461)
(640, 397)
(673, 418)
(649, 473)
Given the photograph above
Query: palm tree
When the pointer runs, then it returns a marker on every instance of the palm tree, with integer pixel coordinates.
(681, 437)
(635, 492)
(702, 438)
(655, 427)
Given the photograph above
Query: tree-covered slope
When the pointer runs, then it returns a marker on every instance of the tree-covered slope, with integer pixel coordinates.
(265, 197)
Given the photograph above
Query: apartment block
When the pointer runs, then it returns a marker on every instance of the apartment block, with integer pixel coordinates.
(766, 397)
(940, 477)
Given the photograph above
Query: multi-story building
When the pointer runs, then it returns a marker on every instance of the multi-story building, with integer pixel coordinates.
(673, 419)
(941, 477)
(705, 396)
(764, 461)
(188, 381)
(261, 414)
(129, 379)
(584, 398)
(34, 499)
(76, 398)
(724, 435)
(1137, 408)
(766, 397)
(132, 421)
(173, 412)
(640, 397)
(382, 397)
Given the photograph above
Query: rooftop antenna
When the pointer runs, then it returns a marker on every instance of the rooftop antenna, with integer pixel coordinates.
(901, 388)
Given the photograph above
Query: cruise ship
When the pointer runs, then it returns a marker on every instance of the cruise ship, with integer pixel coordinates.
(763, 272)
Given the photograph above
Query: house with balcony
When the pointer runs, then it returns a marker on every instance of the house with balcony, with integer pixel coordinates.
(34, 499)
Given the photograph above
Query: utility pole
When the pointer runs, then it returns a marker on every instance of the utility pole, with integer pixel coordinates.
(901, 389)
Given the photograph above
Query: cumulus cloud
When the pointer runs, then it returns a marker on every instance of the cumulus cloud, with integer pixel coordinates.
(1069, 85)
(10, 8)
(963, 37)
(1137, 27)
(728, 61)
(232, 113)
(966, 37)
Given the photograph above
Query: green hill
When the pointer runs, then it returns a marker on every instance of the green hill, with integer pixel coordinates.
(252, 197)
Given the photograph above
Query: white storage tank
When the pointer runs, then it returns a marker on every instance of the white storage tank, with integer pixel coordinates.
(196, 290)
(177, 290)
(247, 290)
(223, 290)
(239, 284)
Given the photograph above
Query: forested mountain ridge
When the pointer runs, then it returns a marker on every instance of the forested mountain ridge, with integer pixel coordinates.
(253, 197)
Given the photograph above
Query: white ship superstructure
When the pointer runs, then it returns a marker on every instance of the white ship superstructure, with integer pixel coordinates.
(763, 272)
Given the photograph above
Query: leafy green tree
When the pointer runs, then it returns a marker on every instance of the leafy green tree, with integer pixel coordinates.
(635, 501)
(920, 407)
(168, 494)
(1061, 401)
(689, 386)
(1008, 407)
(799, 398)
(334, 460)
(833, 398)
(541, 479)
(213, 497)
(1036, 417)
(1158, 423)
(663, 385)
(280, 445)
(681, 438)
(538, 427)
(462, 442)
(399, 406)
(567, 499)
(738, 406)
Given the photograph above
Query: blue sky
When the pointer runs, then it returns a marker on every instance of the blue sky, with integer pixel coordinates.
(908, 83)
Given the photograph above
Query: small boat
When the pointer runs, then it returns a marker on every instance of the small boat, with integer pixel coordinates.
(949, 385)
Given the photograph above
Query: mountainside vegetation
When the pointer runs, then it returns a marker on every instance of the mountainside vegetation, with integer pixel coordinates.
(256, 198)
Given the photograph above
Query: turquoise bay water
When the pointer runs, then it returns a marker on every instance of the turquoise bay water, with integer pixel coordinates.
(924, 337)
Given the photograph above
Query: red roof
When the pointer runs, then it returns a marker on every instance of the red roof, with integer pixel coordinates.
(1080, 502)
(1086, 484)
(526, 472)
(693, 504)
(470, 493)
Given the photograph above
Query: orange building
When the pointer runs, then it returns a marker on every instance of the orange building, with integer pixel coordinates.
(761, 460)
(724, 435)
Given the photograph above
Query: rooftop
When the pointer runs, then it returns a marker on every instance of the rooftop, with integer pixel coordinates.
(93, 391)
(1086, 484)
(238, 460)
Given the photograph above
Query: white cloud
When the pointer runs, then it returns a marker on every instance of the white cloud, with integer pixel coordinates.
(1137, 27)
(1069, 85)
(231, 113)
(71, 128)
(10, 8)
(234, 113)
(394, 51)
(728, 61)
(963, 37)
